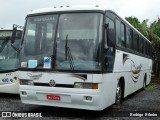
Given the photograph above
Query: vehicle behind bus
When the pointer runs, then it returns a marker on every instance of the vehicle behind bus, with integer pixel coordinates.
(9, 61)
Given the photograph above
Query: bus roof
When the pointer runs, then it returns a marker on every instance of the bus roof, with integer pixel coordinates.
(67, 8)
(79, 8)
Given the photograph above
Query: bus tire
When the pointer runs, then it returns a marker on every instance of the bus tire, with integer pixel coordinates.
(118, 94)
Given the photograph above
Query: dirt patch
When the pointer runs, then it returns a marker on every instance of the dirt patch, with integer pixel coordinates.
(157, 81)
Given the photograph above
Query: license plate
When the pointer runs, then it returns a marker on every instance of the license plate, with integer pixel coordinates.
(53, 97)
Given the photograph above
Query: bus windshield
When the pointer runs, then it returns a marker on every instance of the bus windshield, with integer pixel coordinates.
(78, 41)
(39, 38)
(75, 43)
(9, 57)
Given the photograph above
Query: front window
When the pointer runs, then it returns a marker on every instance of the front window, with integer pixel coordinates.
(39, 38)
(77, 38)
(78, 41)
(9, 57)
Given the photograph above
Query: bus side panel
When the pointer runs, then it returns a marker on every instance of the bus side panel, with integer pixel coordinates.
(133, 68)
(108, 90)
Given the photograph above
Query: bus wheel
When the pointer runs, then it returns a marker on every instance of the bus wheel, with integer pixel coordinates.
(118, 94)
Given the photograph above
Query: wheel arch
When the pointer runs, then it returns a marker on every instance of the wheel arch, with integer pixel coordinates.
(122, 81)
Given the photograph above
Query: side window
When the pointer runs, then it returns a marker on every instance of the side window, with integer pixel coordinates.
(144, 44)
(110, 32)
(141, 45)
(120, 34)
(128, 38)
(135, 41)
(147, 49)
(109, 51)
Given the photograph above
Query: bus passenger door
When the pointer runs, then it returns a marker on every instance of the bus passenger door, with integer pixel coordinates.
(109, 48)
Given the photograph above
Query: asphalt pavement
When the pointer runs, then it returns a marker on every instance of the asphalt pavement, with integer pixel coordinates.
(143, 105)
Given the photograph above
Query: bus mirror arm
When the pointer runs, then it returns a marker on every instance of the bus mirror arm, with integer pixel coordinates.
(14, 33)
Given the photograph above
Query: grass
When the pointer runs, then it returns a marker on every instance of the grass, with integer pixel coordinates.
(151, 86)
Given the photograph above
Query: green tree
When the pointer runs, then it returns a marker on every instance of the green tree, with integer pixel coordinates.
(154, 36)
(134, 21)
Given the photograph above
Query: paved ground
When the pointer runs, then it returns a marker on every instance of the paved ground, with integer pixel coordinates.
(143, 102)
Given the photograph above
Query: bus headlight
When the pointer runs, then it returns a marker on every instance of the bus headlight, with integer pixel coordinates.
(86, 85)
(26, 82)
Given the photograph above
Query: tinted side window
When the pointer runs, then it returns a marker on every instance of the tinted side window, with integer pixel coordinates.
(120, 34)
(145, 47)
(111, 31)
(137, 43)
(134, 41)
(141, 45)
(128, 38)
(148, 49)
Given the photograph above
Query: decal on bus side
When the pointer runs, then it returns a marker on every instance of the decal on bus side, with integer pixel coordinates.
(5, 80)
(34, 76)
(134, 69)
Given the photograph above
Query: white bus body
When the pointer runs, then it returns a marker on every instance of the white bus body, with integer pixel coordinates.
(91, 85)
(9, 63)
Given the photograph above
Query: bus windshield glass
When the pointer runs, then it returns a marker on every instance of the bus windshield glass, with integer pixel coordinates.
(77, 38)
(9, 57)
(39, 38)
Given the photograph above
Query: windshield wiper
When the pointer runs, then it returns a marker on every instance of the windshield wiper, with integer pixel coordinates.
(68, 54)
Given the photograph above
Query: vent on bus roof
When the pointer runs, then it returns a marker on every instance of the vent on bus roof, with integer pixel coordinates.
(69, 6)
(61, 6)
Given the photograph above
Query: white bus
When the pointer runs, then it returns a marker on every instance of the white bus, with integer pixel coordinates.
(84, 57)
(9, 61)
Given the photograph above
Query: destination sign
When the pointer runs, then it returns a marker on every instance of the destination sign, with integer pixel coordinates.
(5, 33)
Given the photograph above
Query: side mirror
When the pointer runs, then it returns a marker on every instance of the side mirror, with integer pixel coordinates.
(14, 33)
(107, 34)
